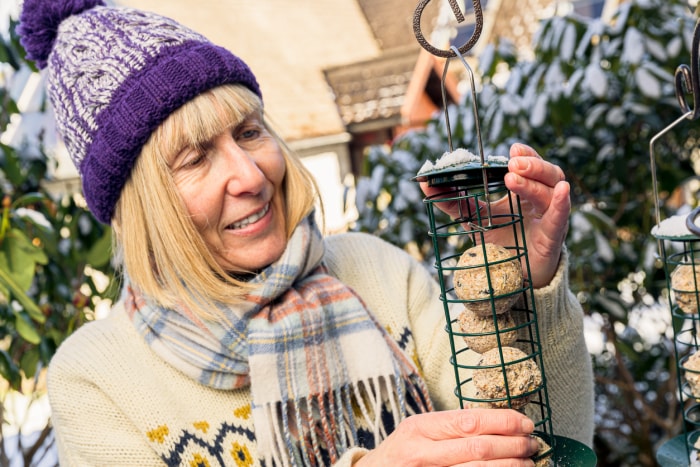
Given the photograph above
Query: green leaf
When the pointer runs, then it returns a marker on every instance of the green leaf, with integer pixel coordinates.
(101, 252)
(11, 166)
(28, 198)
(29, 361)
(9, 370)
(26, 329)
(18, 293)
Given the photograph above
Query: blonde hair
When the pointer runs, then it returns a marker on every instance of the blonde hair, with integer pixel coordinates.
(156, 241)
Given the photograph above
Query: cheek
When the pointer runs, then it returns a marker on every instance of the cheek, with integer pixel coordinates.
(198, 205)
(275, 170)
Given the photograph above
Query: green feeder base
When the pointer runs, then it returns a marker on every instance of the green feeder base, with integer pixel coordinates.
(571, 453)
(673, 453)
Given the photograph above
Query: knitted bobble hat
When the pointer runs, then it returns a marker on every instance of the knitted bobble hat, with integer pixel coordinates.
(114, 74)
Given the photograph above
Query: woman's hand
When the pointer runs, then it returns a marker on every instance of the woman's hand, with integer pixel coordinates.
(456, 438)
(545, 205)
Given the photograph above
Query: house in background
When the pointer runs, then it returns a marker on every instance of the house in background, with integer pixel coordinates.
(340, 75)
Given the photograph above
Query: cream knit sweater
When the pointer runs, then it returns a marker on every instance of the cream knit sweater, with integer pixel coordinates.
(115, 403)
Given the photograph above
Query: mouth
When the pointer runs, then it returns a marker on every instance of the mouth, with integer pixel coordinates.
(250, 219)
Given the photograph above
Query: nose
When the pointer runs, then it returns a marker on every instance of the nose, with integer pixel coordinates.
(240, 169)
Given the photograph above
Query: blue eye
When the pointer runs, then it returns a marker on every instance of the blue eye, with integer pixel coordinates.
(249, 133)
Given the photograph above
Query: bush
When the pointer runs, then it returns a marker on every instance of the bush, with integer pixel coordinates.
(54, 262)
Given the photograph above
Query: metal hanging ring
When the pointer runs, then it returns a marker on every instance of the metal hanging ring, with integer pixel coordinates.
(690, 222)
(687, 80)
(478, 26)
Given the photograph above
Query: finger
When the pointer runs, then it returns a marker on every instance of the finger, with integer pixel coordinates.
(522, 150)
(536, 169)
(555, 220)
(456, 206)
(487, 447)
(560, 205)
(501, 463)
(538, 194)
(463, 423)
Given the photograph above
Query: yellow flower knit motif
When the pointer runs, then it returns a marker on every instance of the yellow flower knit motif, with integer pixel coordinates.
(203, 443)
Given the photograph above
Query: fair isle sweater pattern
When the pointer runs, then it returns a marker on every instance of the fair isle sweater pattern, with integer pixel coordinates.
(231, 445)
(233, 442)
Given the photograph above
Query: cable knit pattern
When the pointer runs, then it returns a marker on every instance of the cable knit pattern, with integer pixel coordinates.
(114, 75)
(136, 410)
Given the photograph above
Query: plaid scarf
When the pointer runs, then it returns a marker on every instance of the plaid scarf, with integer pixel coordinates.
(320, 367)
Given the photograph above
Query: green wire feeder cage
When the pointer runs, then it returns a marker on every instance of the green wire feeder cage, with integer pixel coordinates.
(491, 321)
(678, 239)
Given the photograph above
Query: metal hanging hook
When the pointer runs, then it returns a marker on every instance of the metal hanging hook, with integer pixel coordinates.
(478, 26)
(687, 82)
(687, 79)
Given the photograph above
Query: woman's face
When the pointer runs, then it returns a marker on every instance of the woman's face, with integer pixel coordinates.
(232, 188)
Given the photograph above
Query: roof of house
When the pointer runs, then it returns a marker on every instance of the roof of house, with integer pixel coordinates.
(373, 89)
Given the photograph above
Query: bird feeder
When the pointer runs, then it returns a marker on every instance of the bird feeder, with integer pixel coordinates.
(488, 302)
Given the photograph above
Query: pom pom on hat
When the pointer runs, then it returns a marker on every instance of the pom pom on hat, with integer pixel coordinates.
(39, 23)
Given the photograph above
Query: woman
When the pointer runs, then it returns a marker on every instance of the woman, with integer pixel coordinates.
(242, 337)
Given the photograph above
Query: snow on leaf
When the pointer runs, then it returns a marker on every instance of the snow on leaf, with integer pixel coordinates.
(580, 226)
(620, 20)
(595, 28)
(486, 58)
(558, 30)
(400, 203)
(568, 43)
(377, 178)
(514, 81)
(576, 142)
(539, 111)
(656, 49)
(574, 79)
(674, 47)
(638, 109)
(510, 105)
(633, 49)
(659, 72)
(603, 248)
(554, 78)
(361, 193)
(616, 116)
(605, 152)
(34, 216)
(410, 191)
(496, 126)
(595, 80)
(406, 232)
(648, 85)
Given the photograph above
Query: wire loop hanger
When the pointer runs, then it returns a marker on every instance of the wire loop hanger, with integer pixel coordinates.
(478, 26)
(688, 82)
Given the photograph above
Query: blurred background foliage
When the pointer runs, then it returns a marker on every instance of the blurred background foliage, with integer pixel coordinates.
(54, 264)
(590, 100)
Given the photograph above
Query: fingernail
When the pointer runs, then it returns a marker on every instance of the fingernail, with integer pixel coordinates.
(528, 426)
(520, 163)
(534, 446)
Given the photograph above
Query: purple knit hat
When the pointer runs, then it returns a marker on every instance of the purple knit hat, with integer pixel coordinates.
(113, 76)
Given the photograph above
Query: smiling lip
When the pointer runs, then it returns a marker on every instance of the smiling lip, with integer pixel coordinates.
(250, 219)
